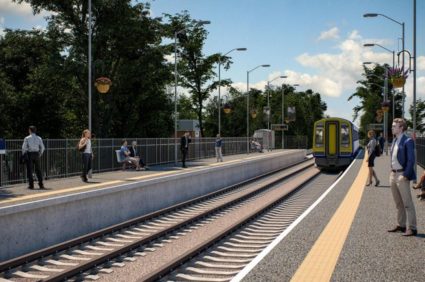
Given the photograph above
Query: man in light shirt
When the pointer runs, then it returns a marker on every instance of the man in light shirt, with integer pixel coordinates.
(402, 172)
(33, 146)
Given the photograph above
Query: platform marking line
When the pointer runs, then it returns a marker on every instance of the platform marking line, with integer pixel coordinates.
(241, 275)
(320, 262)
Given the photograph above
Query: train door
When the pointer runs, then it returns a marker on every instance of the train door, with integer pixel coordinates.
(332, 137)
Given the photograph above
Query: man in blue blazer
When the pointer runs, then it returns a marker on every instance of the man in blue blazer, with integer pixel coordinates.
(402, 172)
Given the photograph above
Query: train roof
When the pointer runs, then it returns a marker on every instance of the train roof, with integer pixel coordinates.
(336, 119)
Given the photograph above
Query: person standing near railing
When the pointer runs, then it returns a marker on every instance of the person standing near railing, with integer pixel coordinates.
(84, 146)
(184, 147)
(33, 148)
(218, 146)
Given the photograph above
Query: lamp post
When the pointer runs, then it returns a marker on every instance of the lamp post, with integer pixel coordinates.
(283, 114)
(268, 98)
(385, 113)
(247, 103)
(89, 64)
(175, 85)
(219, 87)
(391, 51)
(372, 15)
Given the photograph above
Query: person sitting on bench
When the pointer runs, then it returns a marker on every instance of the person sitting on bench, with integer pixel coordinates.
(135, 154)
(125, 155)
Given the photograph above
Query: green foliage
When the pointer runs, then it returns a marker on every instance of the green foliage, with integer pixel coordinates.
(420, 116)
(370, 93)
(195, 69)
(309, 108)
(44, 74)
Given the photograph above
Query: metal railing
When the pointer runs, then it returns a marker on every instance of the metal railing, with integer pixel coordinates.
(62, 159)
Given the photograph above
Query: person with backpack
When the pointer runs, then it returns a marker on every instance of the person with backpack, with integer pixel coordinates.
(371, 154)
(381, 141)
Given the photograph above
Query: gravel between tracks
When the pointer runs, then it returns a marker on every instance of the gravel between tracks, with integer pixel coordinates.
(137, 269)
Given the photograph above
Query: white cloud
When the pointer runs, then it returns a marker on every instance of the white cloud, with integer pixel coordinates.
(9, 7)
(1, 26)
(332, 33)
(420, 63)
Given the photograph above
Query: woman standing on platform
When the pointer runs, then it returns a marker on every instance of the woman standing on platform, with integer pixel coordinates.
(84, 146)
(371, 158)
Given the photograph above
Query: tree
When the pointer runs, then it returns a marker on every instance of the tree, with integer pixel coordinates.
(370, 93)
(127, 48)
(195, 69)
(420, 116)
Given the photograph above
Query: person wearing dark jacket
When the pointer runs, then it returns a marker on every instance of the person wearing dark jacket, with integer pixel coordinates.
(402, 172)
(184, 147)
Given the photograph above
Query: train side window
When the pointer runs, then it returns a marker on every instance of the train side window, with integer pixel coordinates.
(345, 135)
(319, 136)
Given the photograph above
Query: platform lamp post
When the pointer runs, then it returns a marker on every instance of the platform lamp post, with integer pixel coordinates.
(385, 112)
(175, 85)
(391, 51)
(89, 64)
(219, 86)
(268, 98)
(372, 15)
(283, 113)
(247, 103)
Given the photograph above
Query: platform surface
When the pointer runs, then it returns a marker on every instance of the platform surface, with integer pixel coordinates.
(19, 193)
(368, 252)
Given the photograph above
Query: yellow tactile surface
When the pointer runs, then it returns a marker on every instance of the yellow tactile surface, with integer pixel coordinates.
(320, 262)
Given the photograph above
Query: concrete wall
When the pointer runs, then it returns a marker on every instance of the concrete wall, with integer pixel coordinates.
(31, 226)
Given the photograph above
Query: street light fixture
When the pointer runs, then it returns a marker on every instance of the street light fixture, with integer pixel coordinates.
(268, 98)
(175, 85)
(247, 102)
(219, 87)
(372, 15)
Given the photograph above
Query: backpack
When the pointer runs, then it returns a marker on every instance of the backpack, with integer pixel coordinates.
(378, 149)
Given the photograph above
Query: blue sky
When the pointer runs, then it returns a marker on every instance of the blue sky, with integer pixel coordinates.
(317, 43)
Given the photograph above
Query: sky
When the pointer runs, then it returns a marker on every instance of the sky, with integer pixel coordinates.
(316, 43)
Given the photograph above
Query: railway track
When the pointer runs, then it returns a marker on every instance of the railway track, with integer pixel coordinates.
(86, 257)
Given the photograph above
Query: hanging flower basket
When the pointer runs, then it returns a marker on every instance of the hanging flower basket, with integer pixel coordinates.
(103, 84)
(385, 106)
(398, 82)
(397, 76)
(253, 113)
(227, 109)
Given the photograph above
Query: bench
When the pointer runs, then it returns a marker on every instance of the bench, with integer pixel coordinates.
(122, 161)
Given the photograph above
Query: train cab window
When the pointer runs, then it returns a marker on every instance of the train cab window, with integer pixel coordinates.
(345, 135)
(319, 136)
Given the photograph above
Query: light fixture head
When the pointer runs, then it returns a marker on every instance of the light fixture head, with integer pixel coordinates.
(283, 76)
(241, 49)
(370, 15)
(265, 66)
(368, 45)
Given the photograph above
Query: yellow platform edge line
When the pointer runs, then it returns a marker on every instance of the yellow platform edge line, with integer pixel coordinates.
(113, 182)
(320, 262)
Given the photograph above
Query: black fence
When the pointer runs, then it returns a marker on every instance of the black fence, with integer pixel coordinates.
(62, 159)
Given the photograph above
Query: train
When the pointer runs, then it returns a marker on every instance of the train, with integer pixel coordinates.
(335, 143)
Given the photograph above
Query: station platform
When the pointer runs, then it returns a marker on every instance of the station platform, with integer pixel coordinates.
(344, 237)
(69, 208)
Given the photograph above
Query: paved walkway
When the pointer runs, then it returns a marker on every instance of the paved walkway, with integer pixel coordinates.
(345, 237)
(62, 186)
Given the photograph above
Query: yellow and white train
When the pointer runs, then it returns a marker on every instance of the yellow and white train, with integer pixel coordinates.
(335, 142)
